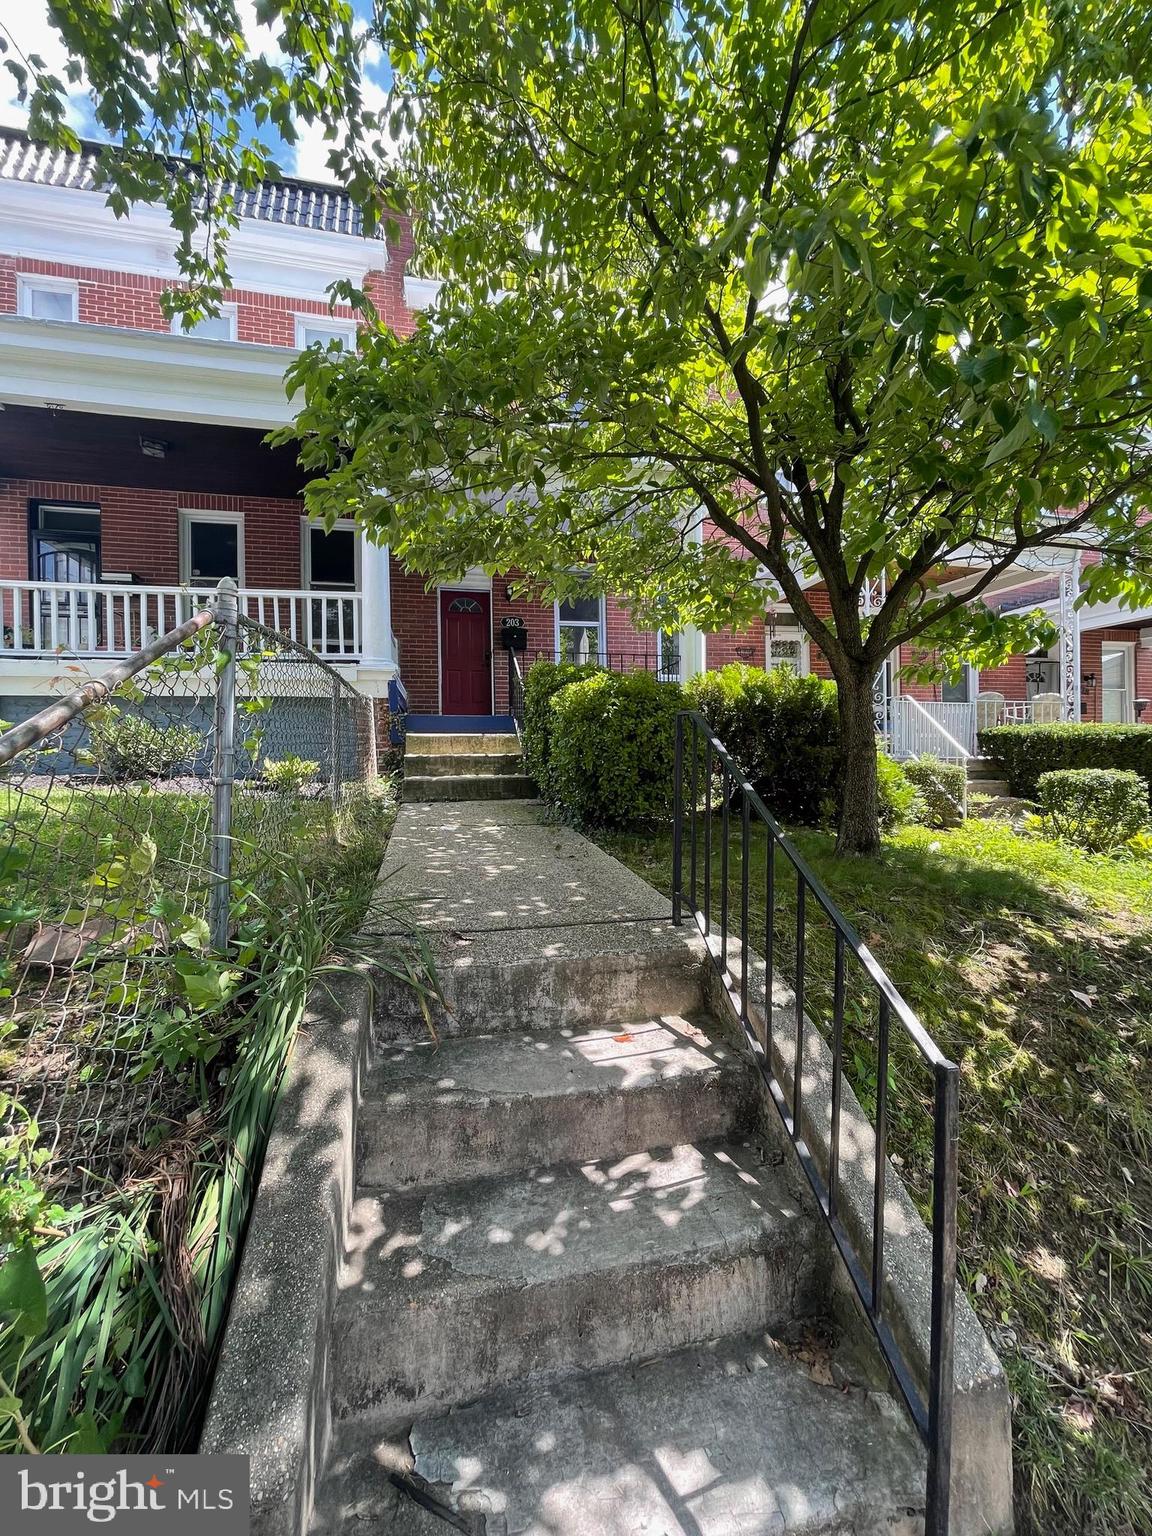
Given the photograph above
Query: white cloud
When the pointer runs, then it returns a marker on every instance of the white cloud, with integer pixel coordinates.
(25, 24)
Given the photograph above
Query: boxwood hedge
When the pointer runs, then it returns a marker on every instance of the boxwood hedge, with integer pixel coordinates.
(612, 748)
(1027, 751)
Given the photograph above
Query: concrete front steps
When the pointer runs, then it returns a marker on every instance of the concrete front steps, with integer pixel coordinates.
(572, 1271)
(995, 799)
(464, 765)
(575, 1269)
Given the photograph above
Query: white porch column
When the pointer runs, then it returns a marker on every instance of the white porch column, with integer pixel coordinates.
(376, 590)
(691, 652)
(1070, 638)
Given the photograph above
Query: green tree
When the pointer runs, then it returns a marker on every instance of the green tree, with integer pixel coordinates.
(868, 283)
(865, 281)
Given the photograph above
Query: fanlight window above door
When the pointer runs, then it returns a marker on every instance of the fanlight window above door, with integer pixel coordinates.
(464, 605)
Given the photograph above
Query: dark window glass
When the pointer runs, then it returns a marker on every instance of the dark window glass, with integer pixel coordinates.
(332, 557)
(214, 551)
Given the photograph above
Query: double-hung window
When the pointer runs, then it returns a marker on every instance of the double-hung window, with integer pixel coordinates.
(580, 627)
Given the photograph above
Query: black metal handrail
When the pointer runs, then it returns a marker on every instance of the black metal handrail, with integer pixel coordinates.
(931, 1411)
(516, 692)
(666, 666)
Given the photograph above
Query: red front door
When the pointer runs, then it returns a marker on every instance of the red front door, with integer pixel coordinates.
(466, 653)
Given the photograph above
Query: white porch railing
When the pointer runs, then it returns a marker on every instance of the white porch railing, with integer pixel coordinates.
(54, 618)
(947, 731)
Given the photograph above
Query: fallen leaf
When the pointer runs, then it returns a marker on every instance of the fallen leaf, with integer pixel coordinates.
(1083, 998)
(1079, 1414)
(622, 1039)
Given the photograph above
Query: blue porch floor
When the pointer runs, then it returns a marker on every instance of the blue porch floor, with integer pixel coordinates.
(455, 725)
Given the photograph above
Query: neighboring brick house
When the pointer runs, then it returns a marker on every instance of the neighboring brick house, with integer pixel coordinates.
(133, 464)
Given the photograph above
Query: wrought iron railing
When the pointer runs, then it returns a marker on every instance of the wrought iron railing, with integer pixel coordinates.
(666, 665)
(710, 784)
(516, 692)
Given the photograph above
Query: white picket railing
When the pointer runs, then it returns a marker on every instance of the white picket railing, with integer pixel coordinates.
(937, 729)
(55, 618)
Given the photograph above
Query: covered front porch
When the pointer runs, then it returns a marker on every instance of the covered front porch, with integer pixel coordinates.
(1098, 670)
(115, 528)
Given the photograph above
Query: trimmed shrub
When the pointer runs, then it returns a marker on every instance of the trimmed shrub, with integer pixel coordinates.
(783, 730)
(895, 793)
(941, 788)
(542, 682)
(1027, 751)
(124, 746)
(612, 748)
(1096, 808)
(289, 775)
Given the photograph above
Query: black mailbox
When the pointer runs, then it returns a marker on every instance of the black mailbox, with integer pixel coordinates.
(513, 635)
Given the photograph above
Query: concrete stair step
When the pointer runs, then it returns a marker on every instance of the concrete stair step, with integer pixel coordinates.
(995, 787)
(493, 1104)
(563, 975)
(436, 743)
(434, 764)
(506, 786)
(739, 1438)
(451, 1295)
(982, 768)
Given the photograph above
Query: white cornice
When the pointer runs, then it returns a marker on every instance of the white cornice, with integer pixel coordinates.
(142, 373)
(421, 292)
(68, 225)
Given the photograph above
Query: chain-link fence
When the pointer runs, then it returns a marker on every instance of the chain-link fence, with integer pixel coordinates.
(141, 816)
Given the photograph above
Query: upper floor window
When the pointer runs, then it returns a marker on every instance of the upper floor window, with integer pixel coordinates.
(48, 298)
(321, 329)
(221, 327)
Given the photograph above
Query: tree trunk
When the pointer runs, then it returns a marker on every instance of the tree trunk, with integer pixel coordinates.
(859, 830)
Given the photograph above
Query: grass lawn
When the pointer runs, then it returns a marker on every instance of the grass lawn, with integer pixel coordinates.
(1031, 964)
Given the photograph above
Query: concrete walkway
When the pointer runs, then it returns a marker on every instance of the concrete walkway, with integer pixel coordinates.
(497, 890)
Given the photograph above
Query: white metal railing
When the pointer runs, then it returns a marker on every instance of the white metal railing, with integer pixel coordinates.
(56, 618)
(1016, 712)
(937, 729)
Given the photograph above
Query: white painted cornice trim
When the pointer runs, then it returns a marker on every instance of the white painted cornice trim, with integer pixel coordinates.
(75, 227)
(421, 292)
(142, 373)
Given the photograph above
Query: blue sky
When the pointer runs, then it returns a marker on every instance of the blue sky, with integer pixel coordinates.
(26, 23)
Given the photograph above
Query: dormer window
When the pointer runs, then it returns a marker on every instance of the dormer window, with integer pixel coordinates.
(48, 298)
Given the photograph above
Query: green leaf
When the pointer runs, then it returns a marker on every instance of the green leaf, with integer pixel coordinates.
(23, 1297)
(1012, 440)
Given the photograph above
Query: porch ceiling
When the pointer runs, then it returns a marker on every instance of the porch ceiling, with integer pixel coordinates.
(37, 443)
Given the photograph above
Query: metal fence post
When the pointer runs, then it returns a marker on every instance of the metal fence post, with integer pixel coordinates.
(223, 763)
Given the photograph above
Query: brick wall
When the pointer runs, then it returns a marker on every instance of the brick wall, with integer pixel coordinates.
(140, 530)
(742, 645)
(132, 300)
(415, 623)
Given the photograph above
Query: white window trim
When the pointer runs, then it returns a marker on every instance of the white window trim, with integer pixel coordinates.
(789, 633)
(190, 515)
(227, 312)
(306, 525)
(478, 589)
(27, 281)
(601, 622)
(337, 323)
(1128, 647)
